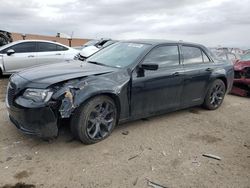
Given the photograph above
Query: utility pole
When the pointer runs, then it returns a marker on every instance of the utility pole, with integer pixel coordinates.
(24, 36)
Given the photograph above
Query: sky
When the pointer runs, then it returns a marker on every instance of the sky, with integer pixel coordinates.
(209, 22)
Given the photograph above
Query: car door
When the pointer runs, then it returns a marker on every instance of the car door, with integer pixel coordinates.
(197, 69)
(68, 53)
(157, 90)
(24, 56)
(49, 53)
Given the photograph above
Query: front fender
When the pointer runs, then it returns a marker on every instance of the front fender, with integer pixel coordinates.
(74, 96)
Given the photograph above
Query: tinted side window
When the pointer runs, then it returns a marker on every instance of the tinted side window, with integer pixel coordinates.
(192, 55)
(25, 47)
(163, 56)
(46, 47)
(61, 48)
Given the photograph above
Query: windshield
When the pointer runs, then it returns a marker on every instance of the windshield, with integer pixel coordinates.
(91, 42)
(108, 43)
(246, 57)
(119, 55)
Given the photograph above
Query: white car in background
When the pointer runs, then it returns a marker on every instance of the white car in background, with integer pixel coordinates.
(18, 55)
(90, 50)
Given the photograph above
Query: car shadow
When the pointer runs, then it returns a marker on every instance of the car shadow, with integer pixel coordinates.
(66, 140)
(66, 136)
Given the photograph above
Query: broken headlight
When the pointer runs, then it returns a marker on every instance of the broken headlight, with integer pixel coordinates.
(38, 95)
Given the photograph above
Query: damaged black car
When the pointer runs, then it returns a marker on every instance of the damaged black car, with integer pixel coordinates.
(125, 81)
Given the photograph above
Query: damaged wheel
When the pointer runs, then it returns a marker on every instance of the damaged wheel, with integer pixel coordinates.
(94, 120)
(215, 95)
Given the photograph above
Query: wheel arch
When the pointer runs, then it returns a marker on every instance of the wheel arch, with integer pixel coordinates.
(224, 79)
(221, 77)
(112, 95)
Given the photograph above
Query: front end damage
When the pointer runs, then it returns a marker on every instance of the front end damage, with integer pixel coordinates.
(31, 118)
(43, 119)
(241, 85)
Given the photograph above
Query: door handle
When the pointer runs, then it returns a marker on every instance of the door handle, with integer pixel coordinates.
(209, 69)
(31, 56)
(58, 54)
(176, 74)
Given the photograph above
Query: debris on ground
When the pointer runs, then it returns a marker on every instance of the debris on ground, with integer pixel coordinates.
(135, 182)
(212, 156)
(9, 158)
(125, 132)
(152, 168)
(155, 185)
(19, 185)
(247, 146)
(135, 156)
(28, 158)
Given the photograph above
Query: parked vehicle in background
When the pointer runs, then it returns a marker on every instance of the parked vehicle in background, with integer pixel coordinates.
(242, 76)
(90, 50)
(26, 53)
(225, 55)
(5, 38)
(97, 43)
(126, 81)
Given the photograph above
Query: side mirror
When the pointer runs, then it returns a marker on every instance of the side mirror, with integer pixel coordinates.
(149, 66)
(10, 52)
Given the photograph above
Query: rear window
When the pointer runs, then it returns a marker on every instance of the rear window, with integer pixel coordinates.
(46, 47)
(191, 55)
(194, 55)
(61, 48)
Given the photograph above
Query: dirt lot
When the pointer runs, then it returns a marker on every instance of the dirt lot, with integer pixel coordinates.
(166, 150)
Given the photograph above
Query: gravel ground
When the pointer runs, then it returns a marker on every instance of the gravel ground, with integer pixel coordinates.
(165, 149)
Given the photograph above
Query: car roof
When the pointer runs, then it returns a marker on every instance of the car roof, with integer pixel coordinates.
(161, 41)
(33, 40)
(28, 40)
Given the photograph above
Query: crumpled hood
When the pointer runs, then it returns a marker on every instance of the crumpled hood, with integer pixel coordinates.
(241, 65)
(54, 73)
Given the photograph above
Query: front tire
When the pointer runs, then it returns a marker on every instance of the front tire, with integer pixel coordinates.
(94, 120)
(215, 95)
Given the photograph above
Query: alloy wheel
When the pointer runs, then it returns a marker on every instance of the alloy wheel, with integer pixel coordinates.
(100, 120)
(217, 95)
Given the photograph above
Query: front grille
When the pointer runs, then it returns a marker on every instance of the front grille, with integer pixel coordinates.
(11, 93)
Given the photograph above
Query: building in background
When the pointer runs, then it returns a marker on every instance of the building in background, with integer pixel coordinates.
(66, 41)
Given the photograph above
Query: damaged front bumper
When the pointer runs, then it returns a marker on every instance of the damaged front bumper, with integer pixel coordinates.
(241, 84)
(41, 122)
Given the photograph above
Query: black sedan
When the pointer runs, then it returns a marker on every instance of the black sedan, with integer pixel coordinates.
(125, 81)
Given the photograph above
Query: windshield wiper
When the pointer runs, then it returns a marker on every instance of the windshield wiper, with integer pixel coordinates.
(97, 63)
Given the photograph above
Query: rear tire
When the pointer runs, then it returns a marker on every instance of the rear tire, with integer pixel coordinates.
(94, 120)
(215, 95)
